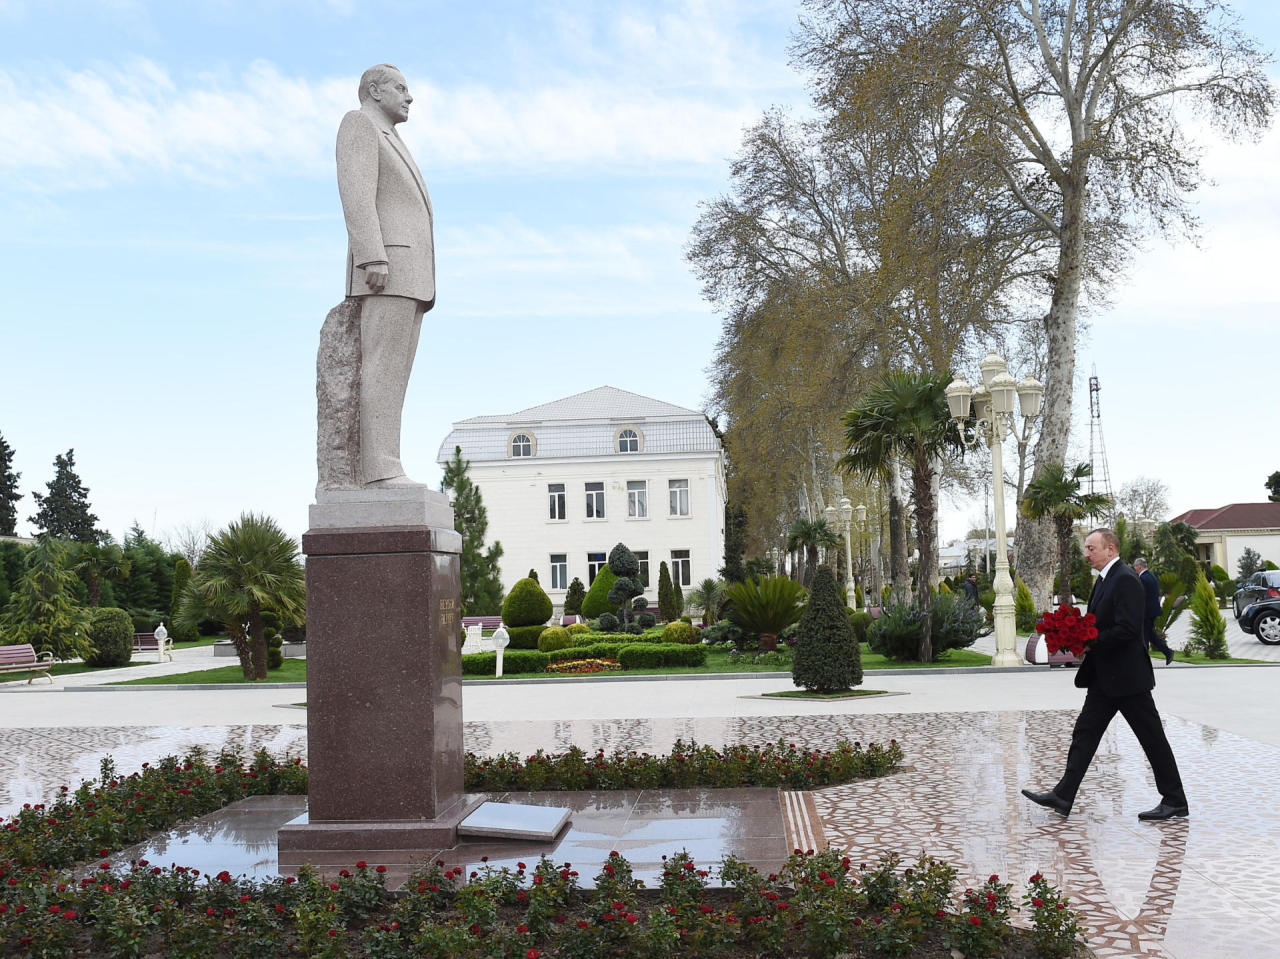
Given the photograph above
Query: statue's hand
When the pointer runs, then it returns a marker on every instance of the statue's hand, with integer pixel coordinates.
(376, 275)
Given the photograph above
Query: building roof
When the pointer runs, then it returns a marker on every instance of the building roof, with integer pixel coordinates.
(1233, 516)
(602, 403)
(585, 424)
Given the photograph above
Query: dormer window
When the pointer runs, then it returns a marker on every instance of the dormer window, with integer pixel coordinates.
(521, 445)
(628, 441)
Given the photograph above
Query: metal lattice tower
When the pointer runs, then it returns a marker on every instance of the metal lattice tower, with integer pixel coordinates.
(1100, 480)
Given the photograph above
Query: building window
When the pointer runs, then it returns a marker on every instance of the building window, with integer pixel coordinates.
(522, 445)
(559, 571)
(638, 498)
(643, 557)
(681, 572)
(595, 563)
(595, 501)
(555, 500)
(678, 490)
(628, 440)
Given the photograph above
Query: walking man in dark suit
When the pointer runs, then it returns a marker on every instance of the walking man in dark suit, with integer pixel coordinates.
(1151, 586)
(1117, 673)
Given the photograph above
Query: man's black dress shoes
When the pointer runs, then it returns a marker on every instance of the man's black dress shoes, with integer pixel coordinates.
(1162, 812)
(1168, 658)
(1051, 800)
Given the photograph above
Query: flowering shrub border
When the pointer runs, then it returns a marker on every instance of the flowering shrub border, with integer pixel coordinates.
(816, 905)
(576, 667)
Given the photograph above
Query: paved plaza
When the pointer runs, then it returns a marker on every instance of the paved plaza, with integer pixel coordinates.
(1185, 889)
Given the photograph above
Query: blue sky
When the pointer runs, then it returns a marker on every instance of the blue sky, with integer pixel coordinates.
(174, 239)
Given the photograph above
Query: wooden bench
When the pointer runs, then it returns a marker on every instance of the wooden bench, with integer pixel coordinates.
(147, 643)
(484, 622)
(23, 658)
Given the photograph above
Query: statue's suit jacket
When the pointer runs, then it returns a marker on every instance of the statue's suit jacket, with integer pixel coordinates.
(387, 209)
(1118, 663)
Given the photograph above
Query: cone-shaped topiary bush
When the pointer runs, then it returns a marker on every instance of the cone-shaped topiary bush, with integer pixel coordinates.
(574, 596)
(526, 604)
(827, 657)
(597, 600)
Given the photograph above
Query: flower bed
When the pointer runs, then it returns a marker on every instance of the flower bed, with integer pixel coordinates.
(577, 667)
(817, 905)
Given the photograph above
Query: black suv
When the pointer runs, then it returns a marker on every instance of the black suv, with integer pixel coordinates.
(1262, 585)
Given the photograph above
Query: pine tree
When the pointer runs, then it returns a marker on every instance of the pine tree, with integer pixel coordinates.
(677, 596)
(667, 611)
(480, 575)
(9, 494)
(63, 513)
(42, 610)
(827, 656)
(574, 596)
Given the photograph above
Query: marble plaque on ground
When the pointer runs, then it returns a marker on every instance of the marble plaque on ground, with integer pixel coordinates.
(507, 820)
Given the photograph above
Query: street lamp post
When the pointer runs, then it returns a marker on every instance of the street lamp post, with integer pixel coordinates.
(993, 418)
(841, 519)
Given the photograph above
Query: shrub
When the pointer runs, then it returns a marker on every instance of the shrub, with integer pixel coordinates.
(726, 631)
(513, 661)
(666, 594)
(608, 622)
(526, 604)
(767, 605)
(275, 658)
(654, 655)
(145, 620)
(111, 633)
(646, 620)
(594, 651)
(524, 637)
(639, 604)
(827, 656)
(861, 623)
(1208, 628)
(574, 596)
(1024, 608)
(597, 599)
(553, 638)
(896, 634)
(575, 629)
(679, 632)
(955, 623)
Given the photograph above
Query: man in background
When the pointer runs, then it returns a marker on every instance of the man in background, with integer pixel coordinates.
(1151, 586)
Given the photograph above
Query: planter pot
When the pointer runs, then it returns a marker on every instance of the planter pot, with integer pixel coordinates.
(768, 642)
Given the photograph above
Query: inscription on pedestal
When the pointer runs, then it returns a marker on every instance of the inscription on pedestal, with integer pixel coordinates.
(448, 616)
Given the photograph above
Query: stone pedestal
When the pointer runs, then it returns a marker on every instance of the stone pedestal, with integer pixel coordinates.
(384, 692)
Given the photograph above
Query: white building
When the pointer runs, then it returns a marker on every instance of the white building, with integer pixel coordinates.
(564, 482)
(1223, 534)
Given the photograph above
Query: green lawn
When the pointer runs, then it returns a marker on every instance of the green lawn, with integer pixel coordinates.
(1201, 660)
(845, 694)
(193, 643)
(293, 671)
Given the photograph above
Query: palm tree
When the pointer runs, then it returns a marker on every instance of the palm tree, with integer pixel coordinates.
(766, 606)
(95, 562)
(1055, 495)
(708, 596)
(246, 569)
(906, 416)
(811, 535)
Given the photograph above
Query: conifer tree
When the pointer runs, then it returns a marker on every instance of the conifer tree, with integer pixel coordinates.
(9, 494)
(735, 543)
(480, 575)
(42, 610)
(574, 596)
(827, 656)
(667, 610)
(63, 512)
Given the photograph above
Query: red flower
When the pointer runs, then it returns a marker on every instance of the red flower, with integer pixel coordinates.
(532, 954)
(975, 921)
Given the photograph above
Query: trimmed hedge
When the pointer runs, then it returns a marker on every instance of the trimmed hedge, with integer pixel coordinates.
(513, 661)
(524, 637)
(111, 634)
(679, 632)
(553, 638)
(576, 628)
(597, 600)
(526, 604)
(595, 651)
(653, 655)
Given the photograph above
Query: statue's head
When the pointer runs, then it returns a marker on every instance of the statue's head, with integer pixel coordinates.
(385, 87)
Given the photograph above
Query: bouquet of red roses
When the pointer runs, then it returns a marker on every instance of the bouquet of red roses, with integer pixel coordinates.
(1066, 629)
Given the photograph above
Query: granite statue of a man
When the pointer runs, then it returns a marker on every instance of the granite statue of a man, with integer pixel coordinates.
(390, 283)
